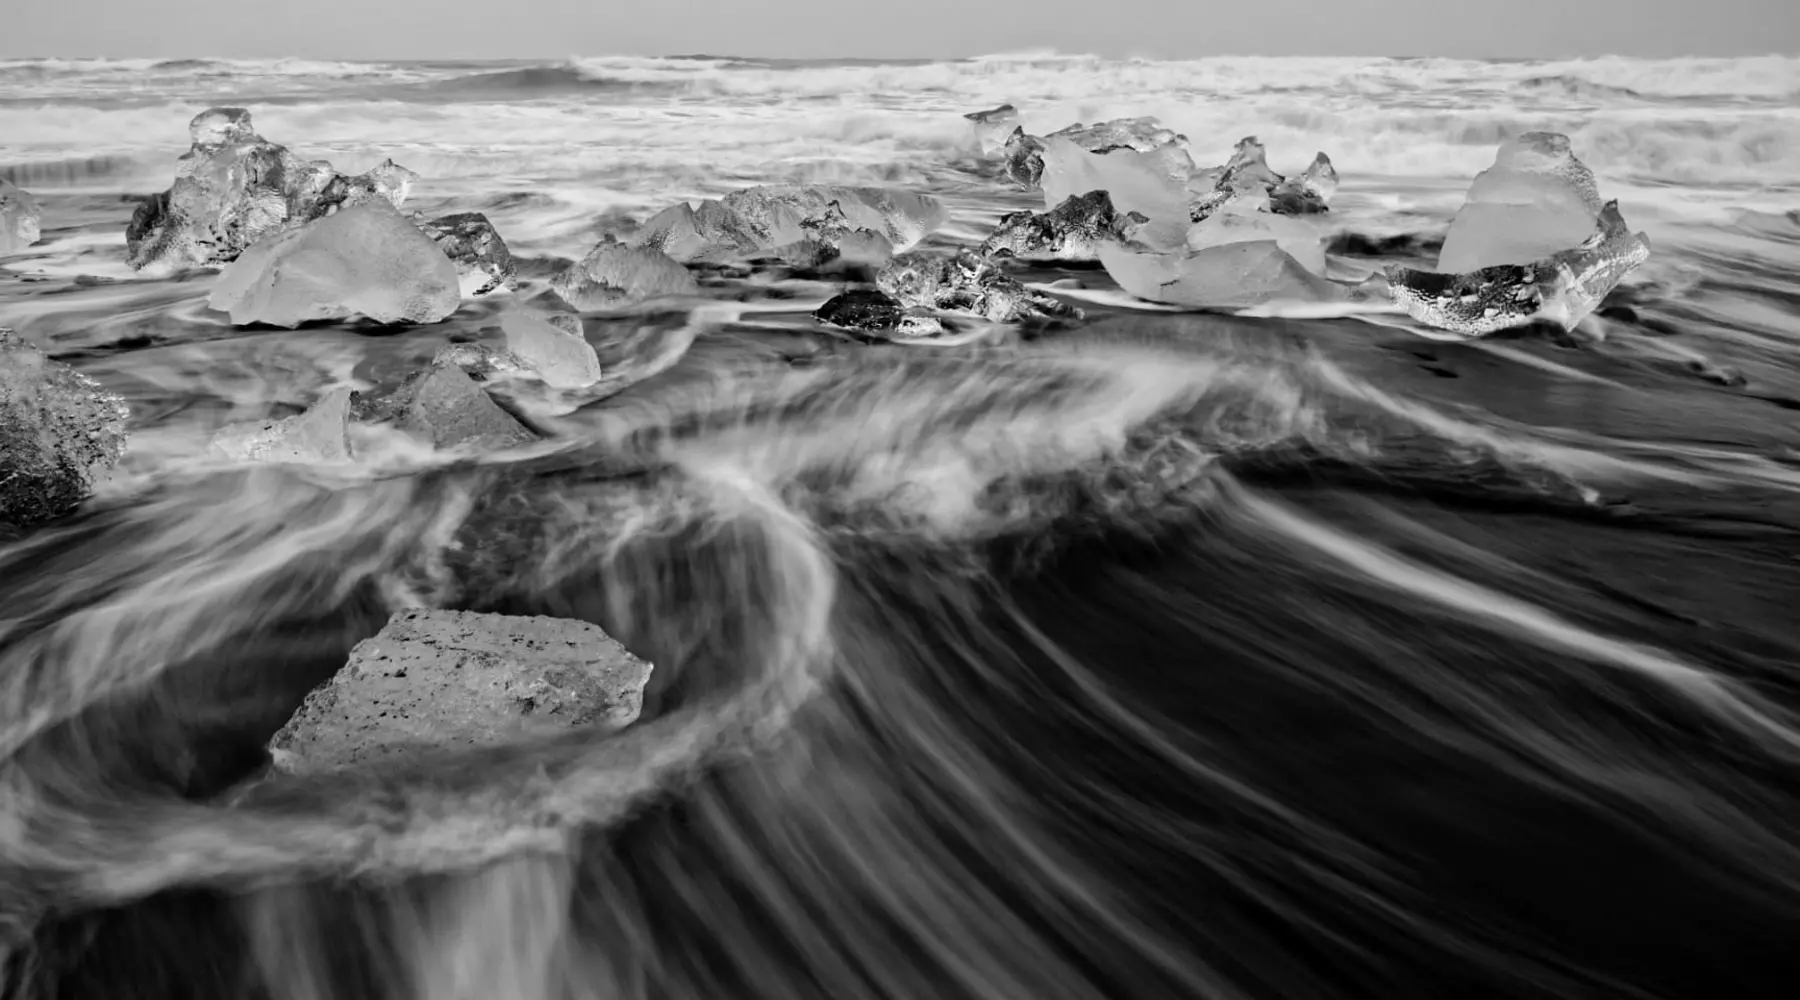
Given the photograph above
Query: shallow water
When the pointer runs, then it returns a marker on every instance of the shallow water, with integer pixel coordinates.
(1172, 655)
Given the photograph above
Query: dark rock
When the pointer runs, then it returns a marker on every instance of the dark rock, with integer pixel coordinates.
(483, 264)
(60, 433)
(861, 309)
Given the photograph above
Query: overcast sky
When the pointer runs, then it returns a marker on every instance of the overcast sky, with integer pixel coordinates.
(423, 29)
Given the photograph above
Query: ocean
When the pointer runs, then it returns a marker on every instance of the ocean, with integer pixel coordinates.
(1169, 654)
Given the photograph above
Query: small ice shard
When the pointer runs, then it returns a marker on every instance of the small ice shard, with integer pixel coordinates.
(613, 275)
(319, 435)
(861, 309)
(434, 681)
(965, 282)
(1564, 288)
(1536, 200)
(483, 263)
(233, 187)
(1071, 231)
(1024, 159)
(1307, 194)
(1247, 220)
(777, 212)
(20, 218)
(562, 359)
(366, 260)
(60, 434)
(1152, 184)
(482, 362)
(993, 126)
(445, 408)
(1141, 134)
(1227, 276)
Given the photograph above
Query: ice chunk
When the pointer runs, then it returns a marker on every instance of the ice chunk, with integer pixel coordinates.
(60, 434)
(993, 127)
(968, 283)
(685, 233)
(562, 359)
(482, 361)
(1247, 220)
(1536, 200)
(445, 680)
(1228, 276)
(20, 218)
(1071, 231)
(613, 275)
(365, 260)
(1152, 184)
(483, 263)
(320, 435)
(777, 212)
(444, 407)
(1563, 288)
(1024, 155)
(861, 309)
(1140, 134)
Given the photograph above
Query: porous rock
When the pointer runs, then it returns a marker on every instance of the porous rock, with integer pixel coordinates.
(432, 681)
(365, 260)
(20, 218)
(60, 434)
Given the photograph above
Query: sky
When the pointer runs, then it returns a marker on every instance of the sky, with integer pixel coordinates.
(554, 29)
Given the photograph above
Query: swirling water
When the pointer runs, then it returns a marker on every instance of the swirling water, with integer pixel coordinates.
(1175, 655)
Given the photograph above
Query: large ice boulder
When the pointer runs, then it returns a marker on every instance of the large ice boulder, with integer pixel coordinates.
(1249, 219)
(365, 260)
(1226, 276)
(433, 681)
(483, 263)
(688, 233)
(1152, 184)
(20, 218)
(60, 434)
(1562, 288)
(1535, 201)
(233, 187)
(613, 275)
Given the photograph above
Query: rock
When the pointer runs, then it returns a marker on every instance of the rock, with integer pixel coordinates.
(1248, 220)
(861, 309)
(483, 264)
(1140, 134)
(614, 275)
(1071, 231)
(1563, 288)
(20, 218)
(445, 408)
(482, 362)
(562, 359)
(1024, 159)
(1535, 201)
(965, 282)
(993, 127)
(234, 187)
(1228, 276)
(365, 260)
(1152, 184)
(320, 435)
(780, 213)
(60, 434)
(444, 680)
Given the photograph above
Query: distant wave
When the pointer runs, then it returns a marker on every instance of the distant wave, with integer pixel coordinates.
(531, 80)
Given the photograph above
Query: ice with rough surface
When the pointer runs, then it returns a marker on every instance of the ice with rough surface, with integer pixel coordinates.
(777, 212)
(1140, 134)
(1248, 220)
(320, 435)
(613, 275)
(1227, 276)
(562, 359)
(1153, 184)
(1536, 200)
(20, 218)
(366, 260)
(432, 681)
(60, 434)
(483, 263)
